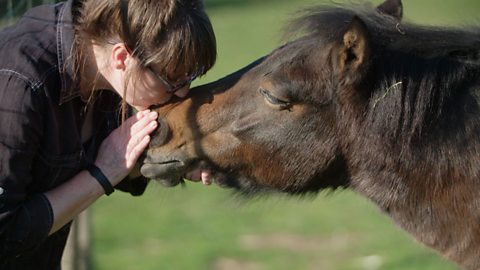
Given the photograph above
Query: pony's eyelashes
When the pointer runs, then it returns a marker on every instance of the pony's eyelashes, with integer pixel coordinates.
(272, 100)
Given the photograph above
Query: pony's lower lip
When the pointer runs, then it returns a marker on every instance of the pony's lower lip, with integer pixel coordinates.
(162, 166)
(168, 173)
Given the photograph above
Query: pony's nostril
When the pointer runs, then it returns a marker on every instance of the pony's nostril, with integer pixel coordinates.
(161, 135)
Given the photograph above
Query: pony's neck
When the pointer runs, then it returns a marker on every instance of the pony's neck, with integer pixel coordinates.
(415, 96)
(415, 151)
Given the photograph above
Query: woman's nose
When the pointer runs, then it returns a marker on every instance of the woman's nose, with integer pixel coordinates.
(181, 93)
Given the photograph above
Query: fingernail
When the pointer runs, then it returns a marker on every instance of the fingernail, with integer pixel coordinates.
(153, 115)
(153, 124)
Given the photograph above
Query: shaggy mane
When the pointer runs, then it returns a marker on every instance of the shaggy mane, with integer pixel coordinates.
(420, 72)
(329, 21)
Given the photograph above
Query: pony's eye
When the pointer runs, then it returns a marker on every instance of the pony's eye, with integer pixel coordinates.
(283, 104)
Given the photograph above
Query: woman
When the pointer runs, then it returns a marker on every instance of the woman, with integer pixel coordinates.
(64, 70)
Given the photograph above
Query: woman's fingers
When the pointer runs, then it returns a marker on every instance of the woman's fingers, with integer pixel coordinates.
(138, 135)
(136, 151)
(140, 123)
(140, 130)
(135, 118)
(121, 149)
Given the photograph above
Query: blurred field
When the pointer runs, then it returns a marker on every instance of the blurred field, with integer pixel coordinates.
(200, 227)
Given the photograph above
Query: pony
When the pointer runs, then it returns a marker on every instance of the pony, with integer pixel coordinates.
(360, 100)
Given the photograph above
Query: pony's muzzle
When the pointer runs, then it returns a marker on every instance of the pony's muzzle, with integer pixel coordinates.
(169, 170)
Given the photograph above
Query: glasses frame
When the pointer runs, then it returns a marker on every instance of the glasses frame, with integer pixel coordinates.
(172, 88)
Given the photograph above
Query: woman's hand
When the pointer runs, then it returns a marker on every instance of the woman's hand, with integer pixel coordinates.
(116, 157)
(120, 151)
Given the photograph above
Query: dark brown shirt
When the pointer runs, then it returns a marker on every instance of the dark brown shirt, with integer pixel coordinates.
(41, 147)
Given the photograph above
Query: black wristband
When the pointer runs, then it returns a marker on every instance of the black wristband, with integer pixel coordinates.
(101, 178)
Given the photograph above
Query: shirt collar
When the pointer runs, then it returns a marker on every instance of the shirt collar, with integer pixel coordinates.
(65, 36)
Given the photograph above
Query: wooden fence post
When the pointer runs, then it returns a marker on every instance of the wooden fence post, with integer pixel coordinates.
(77, 254)
(10, 11)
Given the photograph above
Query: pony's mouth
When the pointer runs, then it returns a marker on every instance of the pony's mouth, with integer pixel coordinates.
(169, 173)
(173, 172)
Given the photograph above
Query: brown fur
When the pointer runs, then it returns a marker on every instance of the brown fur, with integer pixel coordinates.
(394, 115)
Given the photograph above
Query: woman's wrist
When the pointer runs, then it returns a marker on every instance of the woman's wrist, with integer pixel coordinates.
(101, 178)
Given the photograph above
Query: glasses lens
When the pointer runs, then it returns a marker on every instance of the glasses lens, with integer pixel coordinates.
(172, 88)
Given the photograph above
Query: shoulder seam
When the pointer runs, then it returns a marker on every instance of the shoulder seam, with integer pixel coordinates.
(34, 85)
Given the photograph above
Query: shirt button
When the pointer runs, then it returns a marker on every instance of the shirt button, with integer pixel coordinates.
(2, 191)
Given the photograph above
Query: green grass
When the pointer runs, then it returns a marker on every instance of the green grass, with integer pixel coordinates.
(196, 227)
(209, 228)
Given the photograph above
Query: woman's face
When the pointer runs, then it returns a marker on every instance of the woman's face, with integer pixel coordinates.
(139, 87)
(150, 88)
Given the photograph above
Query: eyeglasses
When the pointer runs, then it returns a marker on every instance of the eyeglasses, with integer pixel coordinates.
(172, 88)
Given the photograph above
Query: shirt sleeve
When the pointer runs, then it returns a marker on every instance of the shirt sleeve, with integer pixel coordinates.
(25, 218)
(135, 186)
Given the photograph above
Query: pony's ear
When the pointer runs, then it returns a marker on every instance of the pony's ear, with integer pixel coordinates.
(392, 8)
(353, 53)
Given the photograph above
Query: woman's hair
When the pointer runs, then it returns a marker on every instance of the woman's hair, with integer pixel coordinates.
(173, 34)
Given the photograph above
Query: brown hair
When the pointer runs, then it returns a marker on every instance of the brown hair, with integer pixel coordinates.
(174, 34)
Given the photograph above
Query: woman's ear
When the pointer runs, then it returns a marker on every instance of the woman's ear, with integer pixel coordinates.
(120, 55)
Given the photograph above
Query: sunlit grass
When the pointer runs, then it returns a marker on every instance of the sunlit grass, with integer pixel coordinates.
(196, 227)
